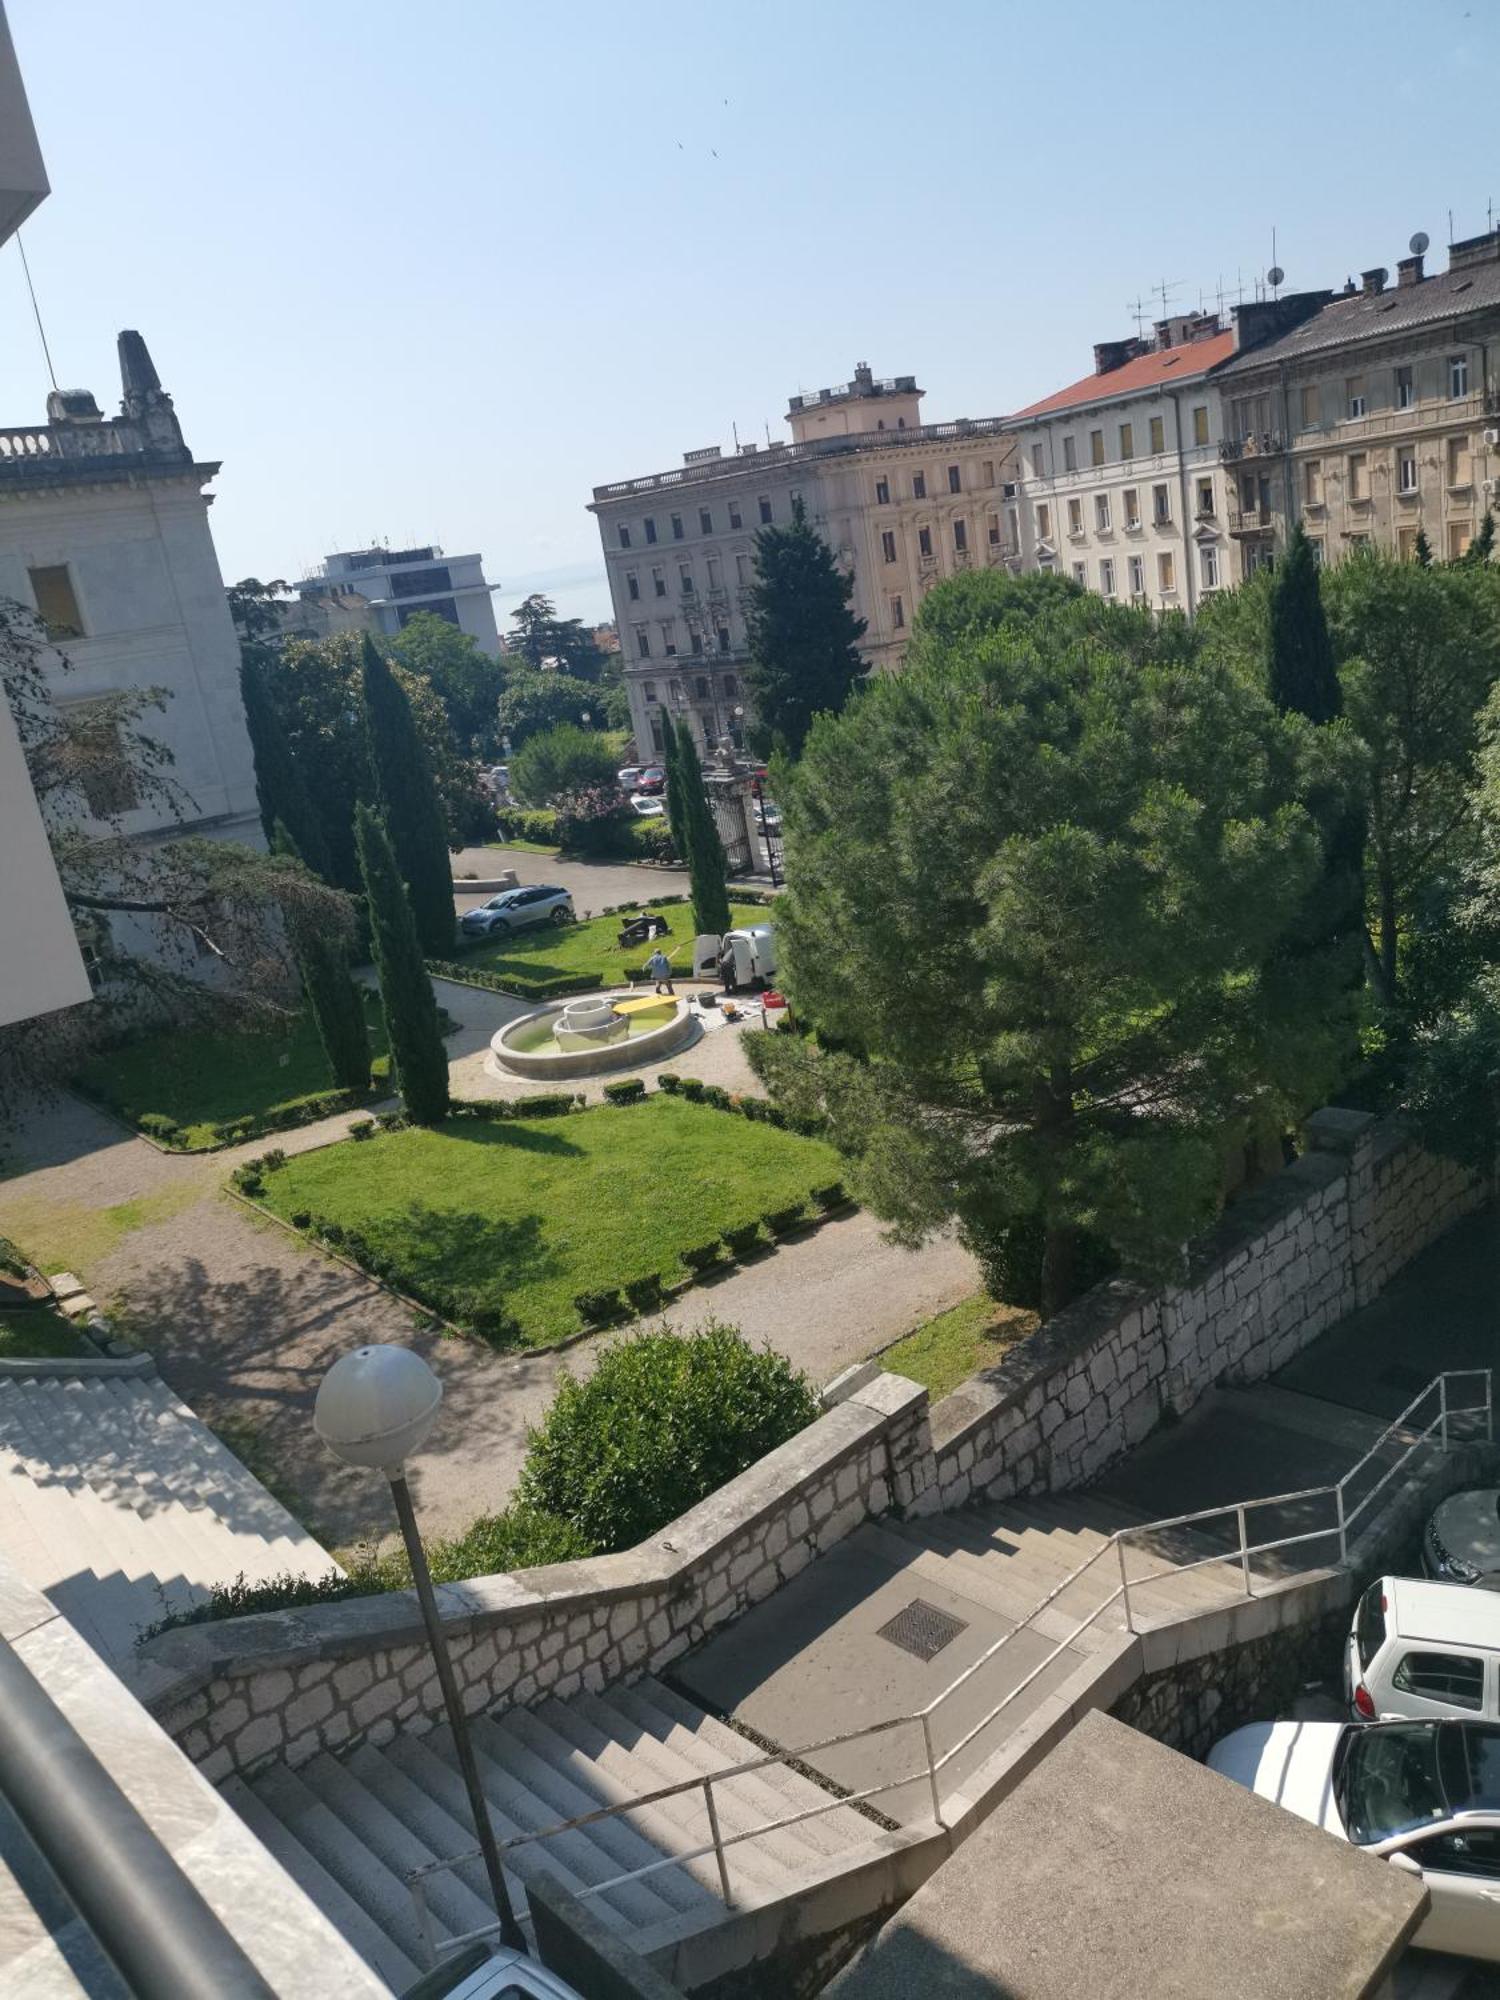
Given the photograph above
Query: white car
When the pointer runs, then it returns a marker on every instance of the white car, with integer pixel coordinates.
(1423, 1795)
(491, 1972)
(1423, 1649)
(645, 807)
(517, 910)
(1462, 1541)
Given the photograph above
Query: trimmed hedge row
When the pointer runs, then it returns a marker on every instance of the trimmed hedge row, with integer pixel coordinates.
(757, 1109)
(171, 1133)
(520, 984)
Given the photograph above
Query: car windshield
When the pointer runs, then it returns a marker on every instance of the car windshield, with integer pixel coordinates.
(1399, 1776)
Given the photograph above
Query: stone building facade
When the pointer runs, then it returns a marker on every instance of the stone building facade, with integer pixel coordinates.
(900, 502)
(385, 587)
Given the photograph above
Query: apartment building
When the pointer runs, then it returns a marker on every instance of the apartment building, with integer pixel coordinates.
(1376, 418)
(395, 584)
(900, 502)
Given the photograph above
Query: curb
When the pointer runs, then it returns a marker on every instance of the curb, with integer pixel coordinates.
(82, 1364)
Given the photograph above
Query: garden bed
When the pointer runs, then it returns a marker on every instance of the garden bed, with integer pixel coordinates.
(574, 958)
(195, 1089)
(947, 1349)
(505, 1224)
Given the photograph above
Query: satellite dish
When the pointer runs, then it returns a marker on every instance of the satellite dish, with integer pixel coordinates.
(1276, 274)
(1419, 243)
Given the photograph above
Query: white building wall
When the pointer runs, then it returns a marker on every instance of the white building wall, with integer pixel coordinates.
(41, 967)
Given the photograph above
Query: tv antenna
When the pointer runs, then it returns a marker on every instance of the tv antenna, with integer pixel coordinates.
(1137, 311)
(1166, 292)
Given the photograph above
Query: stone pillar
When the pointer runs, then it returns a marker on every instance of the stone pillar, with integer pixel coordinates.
(910, 1459)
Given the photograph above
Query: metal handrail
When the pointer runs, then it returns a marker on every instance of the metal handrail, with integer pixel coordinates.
(1114, 1545)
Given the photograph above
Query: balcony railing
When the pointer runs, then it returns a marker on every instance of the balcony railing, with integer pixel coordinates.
(1251, 520)
(28, 450)
(1254, 444)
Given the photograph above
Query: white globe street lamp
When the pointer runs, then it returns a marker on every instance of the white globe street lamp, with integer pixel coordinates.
(374, 1408)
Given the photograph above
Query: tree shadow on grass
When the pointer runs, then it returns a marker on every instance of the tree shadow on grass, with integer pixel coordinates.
(470, 1252)
(523, 1138)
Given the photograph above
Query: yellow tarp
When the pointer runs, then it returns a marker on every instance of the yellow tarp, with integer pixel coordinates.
(642, 1005)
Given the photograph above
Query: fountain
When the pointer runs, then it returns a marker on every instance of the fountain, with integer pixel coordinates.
(603, 1031)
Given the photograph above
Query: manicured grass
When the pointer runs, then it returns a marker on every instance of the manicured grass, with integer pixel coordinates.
(958, 1343)
(35, 1332)
(589, 949)
(524, 1215)
(74, 1236)
(201, 1078)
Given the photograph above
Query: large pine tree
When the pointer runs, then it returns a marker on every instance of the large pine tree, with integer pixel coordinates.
(419, 1062)
(406, 797)
(707, 866)
(804, 639)
(335, 1002)
(279, 787)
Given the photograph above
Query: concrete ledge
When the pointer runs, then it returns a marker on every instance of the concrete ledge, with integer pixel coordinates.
(78, 1364)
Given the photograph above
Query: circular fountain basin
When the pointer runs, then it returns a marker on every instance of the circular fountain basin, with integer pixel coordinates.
(588, 1037)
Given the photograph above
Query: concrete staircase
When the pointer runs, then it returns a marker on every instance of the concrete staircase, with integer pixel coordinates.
(350, 1829)
(120, 1505)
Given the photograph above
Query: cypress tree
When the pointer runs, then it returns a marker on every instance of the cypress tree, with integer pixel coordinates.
(334, 1000)
(419, 1062)
(1302, 677)
(707, 865)
(1423, 549)
(406, 797)
(1482, 547)
(282, 795)
(804, 639)
(676, 818)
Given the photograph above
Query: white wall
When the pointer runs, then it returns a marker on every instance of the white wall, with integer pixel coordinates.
(40, 965)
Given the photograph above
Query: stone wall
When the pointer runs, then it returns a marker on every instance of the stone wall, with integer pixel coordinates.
(1286, 1262)
(1194, 1702)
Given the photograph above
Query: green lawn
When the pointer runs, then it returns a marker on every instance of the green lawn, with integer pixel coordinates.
(958, 1343)
(582, 950)
(35, 1331)
(202, 1077)
(526, 1214)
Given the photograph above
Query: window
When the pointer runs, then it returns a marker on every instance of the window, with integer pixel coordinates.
(888, 545)
(736, 519)
(1455, 1678)
(658, 740)
(669, 647)
(742, 570)
(705, 521)
(1312, 482)
(987, 472)
(1406, 543)
(1458, 375)
(1310, 411)
(674, 689)
(633, 585)
(700, 687)
(659, 582)
(624, 536)
(1161, 506)
(1081, 574)
(1405, 389)
(1070, 454)
(1356, 485)
(1039, 459)
(1460, 465)
(924, 542)
(1101, 513)
(1406, 472)
(723, 637)
(1075, 517)
(1166, 573)
(1200, 423)
(715, 573)
(648, 688)
(1158, 434)
(1137, 576)
(731, 685)
(676, 527)
(882, 493)
(1315, 543)
(1354, 396)
(685, 577)
(961, 537)
(1132, 499)
(1460, 534)
(1127, 440)
(1096, 447)
(1471, 1850)
(919, 486)
(1013, 522)
(1106, 578)
(955, 479)
(1044, 522)
(650, 529)
(764, 504)
(642, 642)
(697, 648)
(1205, 497)
(898, 614)
(1208, 566)
(992, 530)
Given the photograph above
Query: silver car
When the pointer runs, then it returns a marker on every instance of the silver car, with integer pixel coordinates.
(1462, 1540)
(517, 910)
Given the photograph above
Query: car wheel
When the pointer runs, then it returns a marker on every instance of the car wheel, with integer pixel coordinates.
(500, 927)
(561, 915)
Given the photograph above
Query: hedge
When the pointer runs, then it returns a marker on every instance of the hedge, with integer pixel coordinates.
(626, 1092)
(522, 985)
(782, 1221)
(170, 1133)
(538, 823)
(601, 1307)
(702, 1256)
(744, 1241)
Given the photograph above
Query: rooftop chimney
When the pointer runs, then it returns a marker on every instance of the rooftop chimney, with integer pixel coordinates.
(864, 377)
(1408, 271)
(1474, 250)
(1112, 354)
(1374, 280)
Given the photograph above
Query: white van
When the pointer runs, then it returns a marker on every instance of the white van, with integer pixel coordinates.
(1421, 1649)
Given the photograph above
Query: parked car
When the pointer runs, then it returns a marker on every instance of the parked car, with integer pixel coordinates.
(1462, 1541)
(517, 910)
(768, 817)
(1424, 1795)
(629, 777)
(1423, 1649)
(653, 780)
(645, 807)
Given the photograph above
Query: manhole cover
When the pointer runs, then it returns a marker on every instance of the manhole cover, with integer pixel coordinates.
(922, 1630)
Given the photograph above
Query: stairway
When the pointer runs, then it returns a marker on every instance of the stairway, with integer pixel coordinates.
(350, 1829)
(120, 1505)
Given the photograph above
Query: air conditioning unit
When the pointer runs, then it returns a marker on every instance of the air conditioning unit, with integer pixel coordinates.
(1492, 438)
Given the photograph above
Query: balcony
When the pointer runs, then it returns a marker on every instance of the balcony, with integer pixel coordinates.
(1251, 520)
(1255, 444)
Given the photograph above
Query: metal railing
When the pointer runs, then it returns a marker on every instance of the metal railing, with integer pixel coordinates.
(1110, 1558)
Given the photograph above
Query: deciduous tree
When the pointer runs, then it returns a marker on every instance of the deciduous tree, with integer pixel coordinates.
(536, 701)
(419, 1062)
(564, 759)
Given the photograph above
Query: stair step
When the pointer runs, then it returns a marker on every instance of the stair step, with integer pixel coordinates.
(1012, 1592)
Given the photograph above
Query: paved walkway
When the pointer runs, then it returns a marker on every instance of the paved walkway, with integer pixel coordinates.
(594, 885)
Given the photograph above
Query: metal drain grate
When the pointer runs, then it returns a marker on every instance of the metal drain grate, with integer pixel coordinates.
(922, 1630)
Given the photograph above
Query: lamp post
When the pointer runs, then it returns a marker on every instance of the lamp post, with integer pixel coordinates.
(374, 1408)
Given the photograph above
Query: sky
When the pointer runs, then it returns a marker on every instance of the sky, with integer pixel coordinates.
(432, 273)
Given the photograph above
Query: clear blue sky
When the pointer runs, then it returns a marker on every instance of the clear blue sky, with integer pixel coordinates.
(433, 272)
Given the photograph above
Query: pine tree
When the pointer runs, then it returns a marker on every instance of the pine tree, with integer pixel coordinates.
(406, 797)
(334, 1001)
(804, 639)
(419, 1062)
(1301, 676)
(676, 818)
(706, 861)
(279, 788)
(1423, 549)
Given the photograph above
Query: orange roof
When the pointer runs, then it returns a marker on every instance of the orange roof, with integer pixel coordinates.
(1157, 370)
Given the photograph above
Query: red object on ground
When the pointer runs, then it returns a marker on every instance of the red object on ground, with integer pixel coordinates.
(770, 1000)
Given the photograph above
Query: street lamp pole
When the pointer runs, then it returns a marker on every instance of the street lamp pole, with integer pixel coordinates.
(374, 1407)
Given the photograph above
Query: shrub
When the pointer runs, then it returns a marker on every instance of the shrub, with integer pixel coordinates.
(716, 1095)
(540, 825)
(380, 1069)
(600, 1307)
(830, 1195)
(629, 1091)
(702, 1256)
(522, 985)
(546, 1104)
(644, 1294)
(693, 1088)
(12, 1259)
(301, 1218)
(559, 760)
(669, 1081)
(782, 1221)
(157, 1125)
(331, 1232)
(663, 1421)
(652, 839)
(390, 1121)
(745, 1240)
(362, 1128)
(247, 1179)
(234, 1132)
